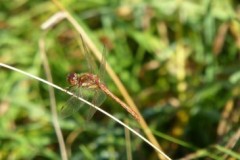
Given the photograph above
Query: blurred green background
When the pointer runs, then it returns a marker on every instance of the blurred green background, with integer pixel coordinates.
(179, 60)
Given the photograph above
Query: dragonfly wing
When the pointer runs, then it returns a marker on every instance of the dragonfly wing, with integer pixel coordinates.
(102, 68)
(73, 104)
(98, 98)
(88, 55)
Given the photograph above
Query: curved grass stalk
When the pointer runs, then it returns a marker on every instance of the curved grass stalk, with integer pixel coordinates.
(90, 104)
(111, 73)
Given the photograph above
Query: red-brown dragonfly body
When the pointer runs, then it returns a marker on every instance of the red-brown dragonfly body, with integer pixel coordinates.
(91, 81)
(90, 86)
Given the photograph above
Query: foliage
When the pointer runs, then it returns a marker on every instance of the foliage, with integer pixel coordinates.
(178, 59)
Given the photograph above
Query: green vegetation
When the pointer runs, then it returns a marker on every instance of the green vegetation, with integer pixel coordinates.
(179, 61)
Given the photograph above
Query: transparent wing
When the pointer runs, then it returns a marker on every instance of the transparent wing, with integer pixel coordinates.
(98, 98)
(90, 60)
(102, 68)
(74, 104)
(71, 106)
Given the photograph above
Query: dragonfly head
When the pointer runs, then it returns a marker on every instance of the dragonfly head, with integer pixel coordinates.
(72, 79)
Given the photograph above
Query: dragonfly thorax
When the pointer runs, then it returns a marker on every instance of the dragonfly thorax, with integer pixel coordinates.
(89, 80)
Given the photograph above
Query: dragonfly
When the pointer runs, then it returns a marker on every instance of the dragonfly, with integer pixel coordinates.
(90, 85)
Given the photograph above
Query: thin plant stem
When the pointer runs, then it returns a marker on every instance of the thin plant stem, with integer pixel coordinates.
(52, 99)
(111, 73)
(128, 143)
(90, 104)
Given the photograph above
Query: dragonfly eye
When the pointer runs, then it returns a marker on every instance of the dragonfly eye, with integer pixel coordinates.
(72, 78)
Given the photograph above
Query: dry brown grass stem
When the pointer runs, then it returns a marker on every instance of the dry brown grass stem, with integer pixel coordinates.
(111, 73)
(52, 99)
